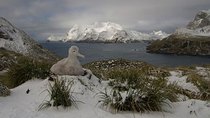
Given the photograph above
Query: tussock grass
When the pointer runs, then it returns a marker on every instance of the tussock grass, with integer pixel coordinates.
(201, 81)
(132, 90)
(202, 84)
(102, 68)
(26, 69)
(8, 58)
(4, 91)
(60, 95)
(186, 69)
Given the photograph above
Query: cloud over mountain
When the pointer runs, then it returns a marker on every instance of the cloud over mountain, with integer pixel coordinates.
(40, 18)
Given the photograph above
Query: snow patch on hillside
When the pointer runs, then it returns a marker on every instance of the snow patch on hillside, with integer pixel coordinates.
(11, 38)
(205, 31)
(176, 77)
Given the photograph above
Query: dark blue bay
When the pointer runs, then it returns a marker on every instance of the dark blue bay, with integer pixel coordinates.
(132, 51)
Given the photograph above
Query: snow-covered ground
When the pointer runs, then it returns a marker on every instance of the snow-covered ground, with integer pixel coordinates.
(22, 105)
(176, 77)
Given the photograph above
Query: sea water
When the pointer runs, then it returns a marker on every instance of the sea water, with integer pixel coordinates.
(131, 51)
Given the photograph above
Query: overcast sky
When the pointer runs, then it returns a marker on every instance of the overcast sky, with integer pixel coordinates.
(40, 18)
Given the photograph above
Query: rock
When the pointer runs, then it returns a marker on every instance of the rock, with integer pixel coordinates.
(4, 91)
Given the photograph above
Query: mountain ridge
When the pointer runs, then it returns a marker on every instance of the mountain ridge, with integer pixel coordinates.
(105, 32)
(194, 39)
(16, 40)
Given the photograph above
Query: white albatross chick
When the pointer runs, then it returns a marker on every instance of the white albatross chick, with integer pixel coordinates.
(69, 65)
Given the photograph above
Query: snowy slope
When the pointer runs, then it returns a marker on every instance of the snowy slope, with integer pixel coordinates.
(200, 26)
(14, 39)
(22, 105)
(10, 37)
(106, 32)
(201, 20)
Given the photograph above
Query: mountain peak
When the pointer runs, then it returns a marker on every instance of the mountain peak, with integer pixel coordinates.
(201, 20)
(106, 32)
(107, 25)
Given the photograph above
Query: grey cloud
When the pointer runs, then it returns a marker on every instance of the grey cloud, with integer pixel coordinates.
(43, 17)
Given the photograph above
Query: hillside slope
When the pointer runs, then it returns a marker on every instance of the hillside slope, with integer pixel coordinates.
(192, 40)
(14, 39)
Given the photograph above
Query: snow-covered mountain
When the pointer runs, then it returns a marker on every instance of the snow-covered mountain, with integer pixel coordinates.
(200, 26)
(105, 32)
(14, 39)
(194, 39)
(201, 20)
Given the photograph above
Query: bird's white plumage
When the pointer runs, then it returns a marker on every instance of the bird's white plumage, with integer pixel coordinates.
(69, 65)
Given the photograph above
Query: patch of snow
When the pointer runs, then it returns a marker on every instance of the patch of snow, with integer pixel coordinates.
(202, 71)
(158, 35)
(190, 109)
(205, 31)
(205, 72)
(181, 81)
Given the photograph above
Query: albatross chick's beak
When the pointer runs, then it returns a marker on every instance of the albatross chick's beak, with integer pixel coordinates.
(80, 55)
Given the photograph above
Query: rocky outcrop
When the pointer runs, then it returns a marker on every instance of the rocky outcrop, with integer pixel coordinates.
(16, 40)
(202, 19)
